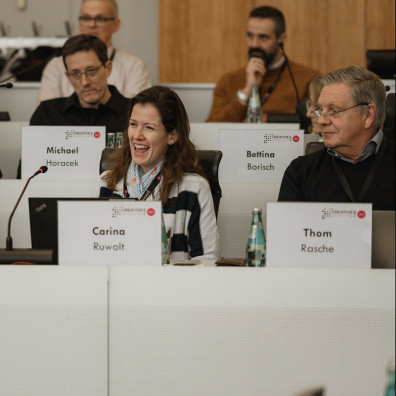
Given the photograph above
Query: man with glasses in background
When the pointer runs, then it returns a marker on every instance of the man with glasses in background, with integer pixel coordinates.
(357, 163)
(93, 102)
(98, 18)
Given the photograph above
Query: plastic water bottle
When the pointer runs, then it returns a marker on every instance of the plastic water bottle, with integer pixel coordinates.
(254, 112)
(165, 243)
(390, 387)
(255, 251)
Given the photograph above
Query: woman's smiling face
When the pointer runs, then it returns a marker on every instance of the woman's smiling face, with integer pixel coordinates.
(148, 139)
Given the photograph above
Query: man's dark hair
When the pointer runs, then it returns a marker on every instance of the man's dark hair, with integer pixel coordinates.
(271, 13)
(85, 42)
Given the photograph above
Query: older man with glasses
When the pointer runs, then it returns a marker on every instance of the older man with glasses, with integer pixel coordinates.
(357, 163)
(93, 102)
(98, 18)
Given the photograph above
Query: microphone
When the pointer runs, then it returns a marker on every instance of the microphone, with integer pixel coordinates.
(292, 77)
(9, 255)
(43, 169)
(7, 85)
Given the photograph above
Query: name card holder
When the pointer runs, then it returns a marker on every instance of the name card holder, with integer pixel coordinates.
(319, 235)
(260, 155)
(114, 232)
(69, 152)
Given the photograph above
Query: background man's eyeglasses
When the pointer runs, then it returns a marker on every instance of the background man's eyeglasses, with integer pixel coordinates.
(309, 104)
(318, 112)
(99, 21)
(90, 72)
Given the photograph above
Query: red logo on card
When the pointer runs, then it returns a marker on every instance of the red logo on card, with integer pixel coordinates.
(361, 214)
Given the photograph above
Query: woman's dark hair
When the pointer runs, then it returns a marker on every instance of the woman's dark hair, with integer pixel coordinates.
(181, 157)
(85, 42)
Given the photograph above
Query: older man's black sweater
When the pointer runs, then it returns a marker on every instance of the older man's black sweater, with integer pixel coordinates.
(313, 178)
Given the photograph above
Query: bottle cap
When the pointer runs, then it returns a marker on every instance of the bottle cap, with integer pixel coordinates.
(257, 210)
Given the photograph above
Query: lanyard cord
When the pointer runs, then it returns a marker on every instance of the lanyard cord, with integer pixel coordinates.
(149, 190)
(369, 178)
(271, 88)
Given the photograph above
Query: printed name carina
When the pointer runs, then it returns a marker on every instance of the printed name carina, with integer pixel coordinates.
(61, 150)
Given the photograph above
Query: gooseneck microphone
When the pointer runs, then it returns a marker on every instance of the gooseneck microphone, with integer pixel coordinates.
(292, 78)
(9, 255)
(7, 85)
(43, 169)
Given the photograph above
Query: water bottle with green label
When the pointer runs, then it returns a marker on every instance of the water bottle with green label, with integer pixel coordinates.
(254, 112)
(255, 251)
(390, 387)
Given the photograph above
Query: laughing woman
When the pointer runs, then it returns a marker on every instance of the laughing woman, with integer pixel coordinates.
(157, 155)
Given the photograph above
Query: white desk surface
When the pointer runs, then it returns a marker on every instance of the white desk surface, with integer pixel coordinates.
(176, 331)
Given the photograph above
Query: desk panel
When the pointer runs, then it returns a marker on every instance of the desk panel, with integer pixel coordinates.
(249, 331)
(53, 331)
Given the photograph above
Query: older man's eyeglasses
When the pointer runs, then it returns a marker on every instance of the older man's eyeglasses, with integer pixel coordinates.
(90, 72)
(99, 21)
(319, 112)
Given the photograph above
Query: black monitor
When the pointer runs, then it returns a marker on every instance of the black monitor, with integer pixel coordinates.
(381, 62)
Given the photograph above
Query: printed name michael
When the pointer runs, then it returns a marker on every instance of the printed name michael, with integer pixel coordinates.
(62, 150)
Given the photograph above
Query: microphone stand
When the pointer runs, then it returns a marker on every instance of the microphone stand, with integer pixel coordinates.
(25, 256)
(292, 78)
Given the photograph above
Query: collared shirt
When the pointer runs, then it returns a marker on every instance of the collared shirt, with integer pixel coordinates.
(277, 64)
(68, 111)
(370, 148)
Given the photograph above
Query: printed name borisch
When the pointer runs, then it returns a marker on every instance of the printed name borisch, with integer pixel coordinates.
(262, 167)
(62, 150)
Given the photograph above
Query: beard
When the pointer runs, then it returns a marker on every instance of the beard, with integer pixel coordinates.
(266, 56)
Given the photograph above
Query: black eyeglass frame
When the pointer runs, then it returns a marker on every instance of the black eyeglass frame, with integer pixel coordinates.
(100, 21)
(90, 72)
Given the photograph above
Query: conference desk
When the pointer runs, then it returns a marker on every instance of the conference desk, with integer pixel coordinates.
(199, 331)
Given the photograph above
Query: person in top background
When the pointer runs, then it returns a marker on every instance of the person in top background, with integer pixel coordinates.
(157, 161)
(314, 90)
(357, 163)
(129, 73)
(93, 102)
(266, 67)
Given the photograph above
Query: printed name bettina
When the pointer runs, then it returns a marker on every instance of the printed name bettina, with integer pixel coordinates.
(61, 150)
(259, 154)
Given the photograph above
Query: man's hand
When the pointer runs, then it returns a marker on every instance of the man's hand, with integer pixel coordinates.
(255, 71)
